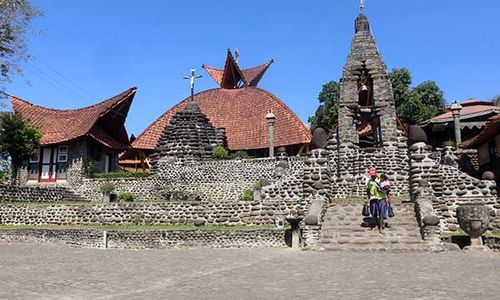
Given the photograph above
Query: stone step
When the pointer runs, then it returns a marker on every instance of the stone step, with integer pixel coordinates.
(359, 227)
(342, 230)
(326, 234)
(368, 248)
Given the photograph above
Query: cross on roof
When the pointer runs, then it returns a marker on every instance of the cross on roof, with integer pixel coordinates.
(192, 79)
(361, 5)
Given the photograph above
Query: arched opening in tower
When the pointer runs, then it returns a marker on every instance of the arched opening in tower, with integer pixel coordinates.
(369, 121)
(365, 89)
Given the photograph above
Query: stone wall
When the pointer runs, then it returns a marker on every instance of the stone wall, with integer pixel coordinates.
(207, 213)
(143, 189)
(164, 239)
(451, 187)
(221, 180)
(37, 194)
(349, 166)
(492, 242)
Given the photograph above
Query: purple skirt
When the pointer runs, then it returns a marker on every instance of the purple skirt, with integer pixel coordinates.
(379, 208)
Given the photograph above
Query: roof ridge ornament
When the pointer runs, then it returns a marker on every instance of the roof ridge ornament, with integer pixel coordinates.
(236, 55)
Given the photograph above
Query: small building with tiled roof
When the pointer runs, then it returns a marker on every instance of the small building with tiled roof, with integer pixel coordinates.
(77, 140)
(239, 106)
(487, 143)
(473, 118)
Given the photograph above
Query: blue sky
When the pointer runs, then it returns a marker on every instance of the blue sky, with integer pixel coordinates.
(103, 47)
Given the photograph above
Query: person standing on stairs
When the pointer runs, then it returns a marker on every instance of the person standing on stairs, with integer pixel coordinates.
(377, 199)
(385, 186)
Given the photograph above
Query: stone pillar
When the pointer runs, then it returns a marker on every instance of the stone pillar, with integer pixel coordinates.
(271, 118)
(455, 111)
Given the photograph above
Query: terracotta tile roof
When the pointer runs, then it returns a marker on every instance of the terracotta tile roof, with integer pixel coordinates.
(104, 138)
(473, 101)
(59, 126)
(242, 113)
(216, 74)
(467, 112)
(491, 130)
(253, 75)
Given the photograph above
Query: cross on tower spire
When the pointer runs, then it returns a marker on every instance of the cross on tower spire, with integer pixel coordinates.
(192, 79)
(361, 5)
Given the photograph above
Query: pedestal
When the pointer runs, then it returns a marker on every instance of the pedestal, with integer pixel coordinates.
(296, 236)
(476, 244)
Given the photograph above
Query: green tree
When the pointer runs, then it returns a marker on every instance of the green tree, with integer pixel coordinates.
(430, 94)
(413, 105)
(327, 112)
(414, 111)
(401, 81)
(18, 141)
(497, 100)
(15, 20)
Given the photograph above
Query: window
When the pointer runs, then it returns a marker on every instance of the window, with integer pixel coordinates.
(33, 173)
(62, 154)
(61, 173)
(35, 158)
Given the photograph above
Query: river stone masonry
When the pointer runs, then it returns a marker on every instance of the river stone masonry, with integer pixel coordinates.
(37, 194)
(188, 136)
(150, 239)
(451, 187)
(205, 213)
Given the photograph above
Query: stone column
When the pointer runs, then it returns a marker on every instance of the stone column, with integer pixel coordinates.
(271, 118)
(455, 111)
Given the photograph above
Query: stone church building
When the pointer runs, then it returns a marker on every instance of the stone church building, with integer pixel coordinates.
(238, 107)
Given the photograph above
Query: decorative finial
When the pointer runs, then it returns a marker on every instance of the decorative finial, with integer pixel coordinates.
(192, 79)
(236, 54)
(361, 5)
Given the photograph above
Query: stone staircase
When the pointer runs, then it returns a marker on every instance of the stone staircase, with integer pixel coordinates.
(342, 229)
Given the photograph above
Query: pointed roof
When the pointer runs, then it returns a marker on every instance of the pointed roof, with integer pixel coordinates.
(189, 135)
(103, 121)
(232, 76)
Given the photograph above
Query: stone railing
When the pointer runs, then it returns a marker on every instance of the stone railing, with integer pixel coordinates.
(313, 221)
(457, 183)
(450, 186)
(151, 239)
(427, 219)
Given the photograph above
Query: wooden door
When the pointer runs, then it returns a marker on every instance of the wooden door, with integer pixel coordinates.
(47, 165)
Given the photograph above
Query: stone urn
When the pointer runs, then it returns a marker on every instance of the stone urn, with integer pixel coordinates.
(474, 219)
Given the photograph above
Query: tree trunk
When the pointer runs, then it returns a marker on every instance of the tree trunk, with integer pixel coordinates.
(14, 174)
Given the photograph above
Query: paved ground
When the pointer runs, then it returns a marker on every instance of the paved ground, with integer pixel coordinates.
(30, 271)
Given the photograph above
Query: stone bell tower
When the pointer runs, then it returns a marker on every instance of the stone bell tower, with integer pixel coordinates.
(367, 134)
(367, 115)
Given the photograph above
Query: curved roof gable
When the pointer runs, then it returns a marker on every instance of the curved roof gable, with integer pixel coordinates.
(233, 77)
(63, 125)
